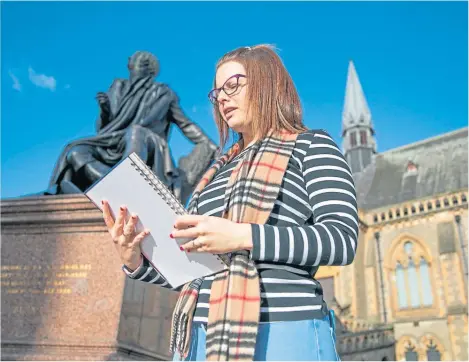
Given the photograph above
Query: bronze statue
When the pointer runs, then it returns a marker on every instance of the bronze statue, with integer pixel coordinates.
(135, 116)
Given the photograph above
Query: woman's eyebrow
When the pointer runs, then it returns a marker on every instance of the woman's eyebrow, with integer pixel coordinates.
(222, 84)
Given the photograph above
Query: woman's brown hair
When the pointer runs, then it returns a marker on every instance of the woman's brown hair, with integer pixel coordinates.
(273, 102)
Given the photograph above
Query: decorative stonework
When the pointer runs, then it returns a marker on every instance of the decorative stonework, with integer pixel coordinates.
(419, 347)
(376, 344)
(398, 213)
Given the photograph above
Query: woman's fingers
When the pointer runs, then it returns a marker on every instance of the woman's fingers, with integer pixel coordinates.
(194, 245)
(120, 220)
(140, 236)
(186, 221)
(108, 219)
(129, 228)
(190, 233)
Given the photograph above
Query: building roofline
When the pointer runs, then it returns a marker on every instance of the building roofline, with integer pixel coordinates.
(421, 142)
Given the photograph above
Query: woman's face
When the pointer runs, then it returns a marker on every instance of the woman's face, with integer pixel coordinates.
(232, 100)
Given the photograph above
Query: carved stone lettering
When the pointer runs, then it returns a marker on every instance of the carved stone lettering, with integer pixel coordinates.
(66, 279)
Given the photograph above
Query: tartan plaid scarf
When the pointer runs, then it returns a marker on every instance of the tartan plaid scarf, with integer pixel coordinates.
(235, 294)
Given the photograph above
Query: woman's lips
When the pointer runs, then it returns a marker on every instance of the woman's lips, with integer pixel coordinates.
(229, 112)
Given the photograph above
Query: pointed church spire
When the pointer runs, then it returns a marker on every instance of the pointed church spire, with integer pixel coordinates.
(359, 144)
(356, 109)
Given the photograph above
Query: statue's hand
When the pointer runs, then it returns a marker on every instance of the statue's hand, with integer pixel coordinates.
(103, 100)
(213, 146)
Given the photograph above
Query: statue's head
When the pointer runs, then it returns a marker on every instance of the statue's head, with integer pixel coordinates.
(143, 64)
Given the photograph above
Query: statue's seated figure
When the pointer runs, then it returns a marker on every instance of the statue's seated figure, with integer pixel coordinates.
(135, 116)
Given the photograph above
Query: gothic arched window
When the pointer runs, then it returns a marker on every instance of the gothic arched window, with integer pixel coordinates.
(426, 283)
(413, 283)
(429, 205)
(401, 287)
(432, 352)
(411, 353)
(412, 277)
(406, 349)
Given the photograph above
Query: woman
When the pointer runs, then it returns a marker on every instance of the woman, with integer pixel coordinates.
(281, 203)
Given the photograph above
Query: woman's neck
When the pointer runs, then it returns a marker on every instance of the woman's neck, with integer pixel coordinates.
(248, 139)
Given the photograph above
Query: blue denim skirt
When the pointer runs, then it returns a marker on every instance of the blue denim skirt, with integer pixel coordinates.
(306, 340)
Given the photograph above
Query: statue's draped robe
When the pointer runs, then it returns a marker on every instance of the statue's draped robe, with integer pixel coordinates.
(140, 111)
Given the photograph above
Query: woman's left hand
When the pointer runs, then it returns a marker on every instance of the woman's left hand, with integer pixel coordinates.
(212, 234)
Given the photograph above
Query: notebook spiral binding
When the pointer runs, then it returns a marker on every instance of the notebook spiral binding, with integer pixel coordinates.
(164, 192)
(157, 185)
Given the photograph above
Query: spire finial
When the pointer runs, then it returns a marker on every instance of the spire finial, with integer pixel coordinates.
(356, 109)
(358, 141)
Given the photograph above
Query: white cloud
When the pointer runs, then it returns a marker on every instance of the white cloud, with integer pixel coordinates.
(16, 82)
(42, 80)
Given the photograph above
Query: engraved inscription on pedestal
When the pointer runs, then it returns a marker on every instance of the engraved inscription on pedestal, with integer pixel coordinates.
(45, 279)
(64, 295)
(32, 292)
(60, 278)
(30, 281)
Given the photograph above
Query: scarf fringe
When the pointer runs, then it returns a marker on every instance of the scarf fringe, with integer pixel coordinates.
(182, 318)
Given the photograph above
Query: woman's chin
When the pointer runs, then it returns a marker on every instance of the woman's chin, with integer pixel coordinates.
(236, 125)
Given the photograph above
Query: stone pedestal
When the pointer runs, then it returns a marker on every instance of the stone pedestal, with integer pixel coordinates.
(64, 295)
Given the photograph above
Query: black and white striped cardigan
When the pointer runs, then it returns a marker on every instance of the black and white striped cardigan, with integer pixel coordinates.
(314, 223)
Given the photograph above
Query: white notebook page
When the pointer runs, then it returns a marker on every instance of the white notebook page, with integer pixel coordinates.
(124, 185)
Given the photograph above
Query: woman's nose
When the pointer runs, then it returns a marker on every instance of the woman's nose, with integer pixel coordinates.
(222, 97)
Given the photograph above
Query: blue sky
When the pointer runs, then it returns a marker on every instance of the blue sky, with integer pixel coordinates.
(411, 58)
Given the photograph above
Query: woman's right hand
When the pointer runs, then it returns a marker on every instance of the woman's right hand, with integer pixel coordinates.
(125, 239)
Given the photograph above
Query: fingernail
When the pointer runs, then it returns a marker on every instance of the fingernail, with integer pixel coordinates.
(134, 216)
(171, 236)
(102, 202)
(181, 248)
(122, 208)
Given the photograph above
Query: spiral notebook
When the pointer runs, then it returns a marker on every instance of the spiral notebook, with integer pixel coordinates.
(132, 183)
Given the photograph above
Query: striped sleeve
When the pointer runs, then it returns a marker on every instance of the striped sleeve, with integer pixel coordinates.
(332, 237)
(146, 273)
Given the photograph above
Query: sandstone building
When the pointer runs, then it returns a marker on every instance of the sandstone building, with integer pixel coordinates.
(410, 271)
